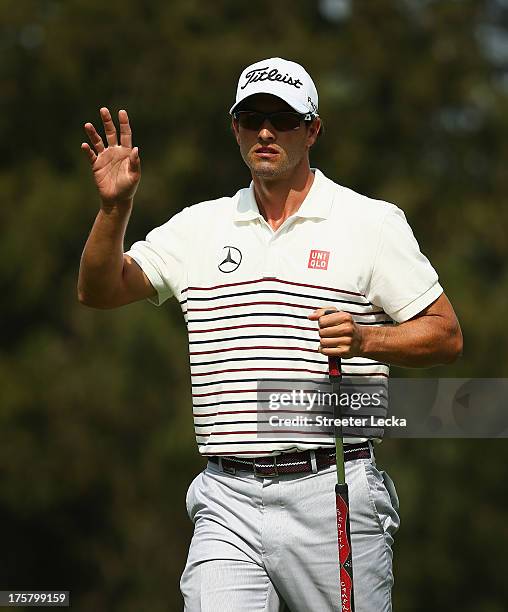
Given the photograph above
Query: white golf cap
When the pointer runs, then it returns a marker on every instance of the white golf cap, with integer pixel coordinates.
(279, 77)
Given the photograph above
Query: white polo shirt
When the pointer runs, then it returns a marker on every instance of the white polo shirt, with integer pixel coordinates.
(246, 290)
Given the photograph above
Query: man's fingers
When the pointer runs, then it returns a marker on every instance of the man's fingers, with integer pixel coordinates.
(125, 129)
(340, 351)
(95, 139)
(346, 328)
(89, 153)
(109, 127)
(320, 312)
(335, 347)
(336, 342)
(337, 317)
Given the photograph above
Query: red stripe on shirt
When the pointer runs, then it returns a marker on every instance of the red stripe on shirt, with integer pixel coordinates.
(272, 279)
(362, 314)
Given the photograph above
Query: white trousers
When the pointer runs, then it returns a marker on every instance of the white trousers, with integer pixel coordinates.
(270, 544)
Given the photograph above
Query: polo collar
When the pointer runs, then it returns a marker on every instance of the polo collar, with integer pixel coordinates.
(317, 203)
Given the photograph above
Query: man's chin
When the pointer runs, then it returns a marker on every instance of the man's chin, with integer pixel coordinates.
(266, 169)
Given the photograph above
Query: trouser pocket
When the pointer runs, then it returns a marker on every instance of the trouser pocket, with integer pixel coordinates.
(190, 498)
(390, 487)
(384, 498)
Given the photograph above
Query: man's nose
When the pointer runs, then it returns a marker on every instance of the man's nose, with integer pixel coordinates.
(266, 131)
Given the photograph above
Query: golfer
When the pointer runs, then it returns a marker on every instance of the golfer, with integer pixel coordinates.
(254, 274)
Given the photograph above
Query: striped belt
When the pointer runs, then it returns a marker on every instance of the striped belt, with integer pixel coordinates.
(292, 463)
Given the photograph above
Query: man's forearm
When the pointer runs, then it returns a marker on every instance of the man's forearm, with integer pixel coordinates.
(101, 267)
(421, 342)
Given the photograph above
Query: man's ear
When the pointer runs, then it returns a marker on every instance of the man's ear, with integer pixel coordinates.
(314, 131)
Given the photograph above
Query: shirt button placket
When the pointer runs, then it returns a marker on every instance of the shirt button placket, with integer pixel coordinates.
(270, 261)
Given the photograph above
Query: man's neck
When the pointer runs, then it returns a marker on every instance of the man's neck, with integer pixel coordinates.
(280, 198)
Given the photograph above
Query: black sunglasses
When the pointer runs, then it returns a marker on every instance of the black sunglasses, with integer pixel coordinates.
(282, 121)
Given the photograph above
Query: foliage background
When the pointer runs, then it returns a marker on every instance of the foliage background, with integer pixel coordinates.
(96, 441)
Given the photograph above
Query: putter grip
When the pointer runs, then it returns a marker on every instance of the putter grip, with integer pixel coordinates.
(344, 542)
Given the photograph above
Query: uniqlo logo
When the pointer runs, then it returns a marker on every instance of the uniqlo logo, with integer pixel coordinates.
(319, 259)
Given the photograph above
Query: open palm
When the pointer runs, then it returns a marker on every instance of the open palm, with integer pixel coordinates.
(117, 167)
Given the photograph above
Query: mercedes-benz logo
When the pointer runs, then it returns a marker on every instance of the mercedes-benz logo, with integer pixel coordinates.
(231, 259)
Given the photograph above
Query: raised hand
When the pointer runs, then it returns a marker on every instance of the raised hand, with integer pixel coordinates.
(117, 167)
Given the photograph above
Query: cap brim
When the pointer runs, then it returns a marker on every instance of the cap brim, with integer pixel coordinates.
(295, 104)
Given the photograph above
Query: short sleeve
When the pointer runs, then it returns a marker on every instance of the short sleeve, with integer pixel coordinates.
(162, 256)
(403, 282)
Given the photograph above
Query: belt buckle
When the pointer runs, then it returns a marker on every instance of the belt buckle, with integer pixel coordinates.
(271, 474)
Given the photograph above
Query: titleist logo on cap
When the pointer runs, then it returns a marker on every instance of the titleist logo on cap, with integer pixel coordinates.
(265, 74)
(281, 78)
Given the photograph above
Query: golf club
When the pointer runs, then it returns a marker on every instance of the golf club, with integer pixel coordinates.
(341, 494)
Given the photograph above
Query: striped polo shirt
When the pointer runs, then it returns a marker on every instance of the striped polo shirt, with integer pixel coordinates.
(246, 291)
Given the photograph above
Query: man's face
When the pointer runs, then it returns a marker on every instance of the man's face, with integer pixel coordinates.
(269, 153)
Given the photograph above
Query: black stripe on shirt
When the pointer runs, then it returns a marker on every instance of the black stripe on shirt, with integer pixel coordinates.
(272, 291)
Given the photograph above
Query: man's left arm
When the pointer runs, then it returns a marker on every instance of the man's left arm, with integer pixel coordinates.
(432, 337)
